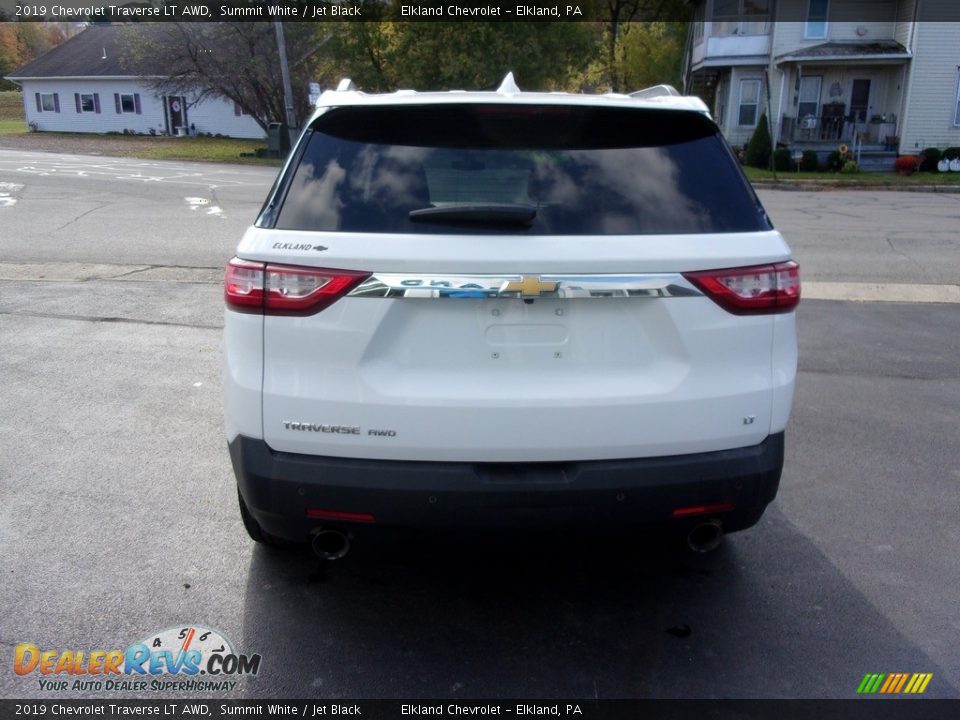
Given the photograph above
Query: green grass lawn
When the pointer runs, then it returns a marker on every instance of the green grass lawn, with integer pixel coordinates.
(11, 105)
(8, 127)
(204, 149)
(865, 178)
(11, 113)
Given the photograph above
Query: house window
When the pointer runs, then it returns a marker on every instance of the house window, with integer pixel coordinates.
(809, 96)
(48, 102)
(749, 102)
(127, 103)
(86, 103)
(741, 17)
(816, 19)
(237, 110)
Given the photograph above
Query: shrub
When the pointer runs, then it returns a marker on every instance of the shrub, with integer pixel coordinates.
(810, 161)
(834, 161)
(782, 159)
(850, 167)
(929, 158)
(760, 145)
(952, 153)
(906, 164)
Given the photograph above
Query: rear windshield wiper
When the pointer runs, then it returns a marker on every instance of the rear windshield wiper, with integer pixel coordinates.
(491, 214)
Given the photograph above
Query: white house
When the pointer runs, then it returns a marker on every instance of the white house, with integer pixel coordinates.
(82, 86)
(884, 74)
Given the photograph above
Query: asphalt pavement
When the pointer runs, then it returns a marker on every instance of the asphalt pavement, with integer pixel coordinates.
(118, 510)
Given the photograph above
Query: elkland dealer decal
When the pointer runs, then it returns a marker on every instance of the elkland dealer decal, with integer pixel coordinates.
(182, 653)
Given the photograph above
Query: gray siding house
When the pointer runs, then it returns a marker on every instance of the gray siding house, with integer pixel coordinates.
(82, 86)
(874, 75)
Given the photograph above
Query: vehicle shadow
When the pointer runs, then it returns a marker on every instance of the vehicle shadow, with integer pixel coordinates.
(767, 615)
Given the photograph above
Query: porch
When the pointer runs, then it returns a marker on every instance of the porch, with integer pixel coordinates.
(871, 157)
(848, 93)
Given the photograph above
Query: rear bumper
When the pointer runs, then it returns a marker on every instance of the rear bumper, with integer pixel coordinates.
(280, 488)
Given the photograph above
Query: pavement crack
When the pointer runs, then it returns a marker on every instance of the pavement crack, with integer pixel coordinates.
(128, 273)
(82, 215)
(901, 253)
(108, 319)
(887, 376)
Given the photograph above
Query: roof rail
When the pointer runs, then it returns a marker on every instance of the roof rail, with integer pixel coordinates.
(656, 91)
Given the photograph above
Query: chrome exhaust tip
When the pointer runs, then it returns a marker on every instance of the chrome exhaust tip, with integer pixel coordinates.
(705, 537)
(330, 544)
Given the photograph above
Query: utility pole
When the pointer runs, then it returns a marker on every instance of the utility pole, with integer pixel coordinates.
(287, 91)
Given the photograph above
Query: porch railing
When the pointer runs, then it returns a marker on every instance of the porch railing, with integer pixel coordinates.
(836, 129)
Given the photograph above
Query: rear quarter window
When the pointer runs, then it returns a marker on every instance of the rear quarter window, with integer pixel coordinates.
(538, 170)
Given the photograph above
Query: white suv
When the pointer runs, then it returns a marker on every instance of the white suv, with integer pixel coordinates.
(508, 308)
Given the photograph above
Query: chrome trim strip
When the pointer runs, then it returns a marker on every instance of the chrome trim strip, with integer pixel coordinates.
(401, 285)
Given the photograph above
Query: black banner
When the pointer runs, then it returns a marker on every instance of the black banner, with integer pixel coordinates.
(860, 709)
(400, 11)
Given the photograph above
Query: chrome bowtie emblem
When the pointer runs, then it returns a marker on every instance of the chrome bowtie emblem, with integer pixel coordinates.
(529, 286)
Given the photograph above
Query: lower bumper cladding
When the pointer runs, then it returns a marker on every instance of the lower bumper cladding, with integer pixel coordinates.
(293, 495)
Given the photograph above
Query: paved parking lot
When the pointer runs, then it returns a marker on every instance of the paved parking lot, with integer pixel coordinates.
(118, 510)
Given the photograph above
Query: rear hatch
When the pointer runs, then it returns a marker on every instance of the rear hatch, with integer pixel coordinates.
(503, 283)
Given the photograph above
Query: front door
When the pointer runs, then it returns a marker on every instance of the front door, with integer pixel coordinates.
(177, 110)
(860, 100)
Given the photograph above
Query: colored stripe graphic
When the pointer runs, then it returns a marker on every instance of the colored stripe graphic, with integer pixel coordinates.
(903, 680)
(870, 683)
(918, 683)
(891, 680)
(894, 683)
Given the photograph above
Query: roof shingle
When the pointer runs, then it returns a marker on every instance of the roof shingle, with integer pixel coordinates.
(95, 52)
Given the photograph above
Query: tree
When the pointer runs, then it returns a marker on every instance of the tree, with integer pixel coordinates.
(651, 54)
(22, 42)
(457, 55)
(760, 145)
(234, 60)
(617, 15)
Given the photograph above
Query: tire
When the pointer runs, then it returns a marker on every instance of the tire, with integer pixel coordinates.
(256, 532)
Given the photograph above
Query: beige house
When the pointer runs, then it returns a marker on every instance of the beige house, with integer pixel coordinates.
(879, 75)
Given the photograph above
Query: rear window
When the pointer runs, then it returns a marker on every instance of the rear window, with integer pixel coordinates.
(540, 170)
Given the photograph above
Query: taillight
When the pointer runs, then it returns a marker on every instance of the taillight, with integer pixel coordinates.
(243, 286)
(257, 287)
(752, 290)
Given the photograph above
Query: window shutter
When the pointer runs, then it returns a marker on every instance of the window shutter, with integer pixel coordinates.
(116, 100)
(96, 103)
(136, 102)
(76, 100)
(39, 106)
(56, 102)
(236, 108)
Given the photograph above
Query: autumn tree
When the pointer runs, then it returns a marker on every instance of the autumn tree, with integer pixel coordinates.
(238, 61)
(22, 42)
